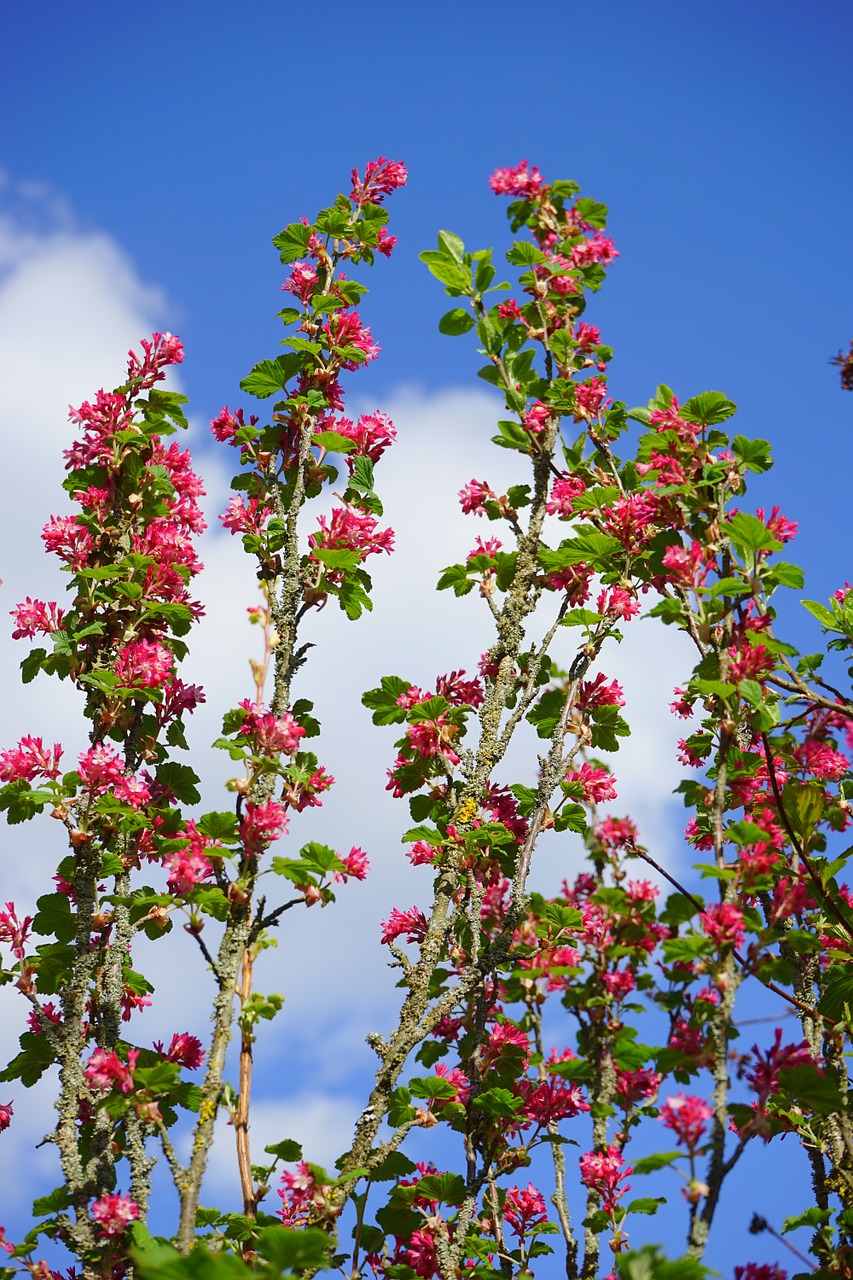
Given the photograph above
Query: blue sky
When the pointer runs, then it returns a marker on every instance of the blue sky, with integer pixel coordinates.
(150, 156)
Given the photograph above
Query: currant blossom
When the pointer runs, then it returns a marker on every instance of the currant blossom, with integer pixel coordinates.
(686, 1116)
(29, 760)
(185, 1050)
(114, 1213)
(34, 617)
(412, 923)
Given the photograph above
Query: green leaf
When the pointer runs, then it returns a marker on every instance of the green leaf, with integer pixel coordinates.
(837, 993)
(294, 1249)
(804, 804)
(650, 1164)
(221, 826)
(749, 533)
(333, 442)
(647, 1204)
(708, 408)
(447, 268)
(811, 1217)
(451, 244)
(580, 618)
(525, 254)
(649, 1263)
(432, 1087)
(181, 780)
(287, 1149)
(54, 918)
(34, 1059)
(592, 211)
(825, 616)
(269, 376)
(383, 701)
(54, 1202)
(456, 322)
(292, 242)
(447, 1188)
(754, 454)
(807, 1087)
(457, 577)
(500, 1103)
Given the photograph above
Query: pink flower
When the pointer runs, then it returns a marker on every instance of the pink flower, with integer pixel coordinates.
(598, 785)
(587, 336)
(619, 984)
(505, 1036)
(14, 931)
(350, 530)
(603, 1171)
(420, 1253)
(686, 1114)
(682, 706)
(132, 791)
(262, 824)
(114, 1213)
(301, 1195)
(344, 329)
(67, 539)
(524, 181)
(6, 1114)
(616, 832)
(29, 760)
(34, 617)
(372, 435)
(185, 1049)
(474, 495)
(821, 761)
(189, 866)
(632, 519)
(590, 397)
(763, 1074)
(100, 768)
(241, 516)
(144, 664)
(226, 425)
(761, 1271)
(536, 418)
(723, 923)
(524, 1209)
(105, 1069)
(381, 177)
(509, 310)
(412, 923)
(270, 734)
(617, 602)
(488, 548)
(432, 738)
(642, 891)
(598, 249)
(301, 281)
(459, 692)
(637, 1086)
(781, 528)
(356, 866)
(563, 493)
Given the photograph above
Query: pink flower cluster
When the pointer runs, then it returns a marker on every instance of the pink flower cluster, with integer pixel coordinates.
(105, 1070)
(114, 1213)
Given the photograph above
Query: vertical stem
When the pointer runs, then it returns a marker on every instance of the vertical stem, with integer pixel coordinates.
(241, 1115)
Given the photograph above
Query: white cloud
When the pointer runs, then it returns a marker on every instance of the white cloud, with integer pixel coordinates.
(70, 306)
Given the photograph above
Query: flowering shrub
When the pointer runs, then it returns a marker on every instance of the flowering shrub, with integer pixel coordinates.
(639, 986)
